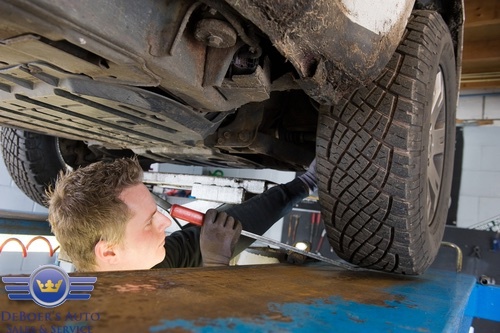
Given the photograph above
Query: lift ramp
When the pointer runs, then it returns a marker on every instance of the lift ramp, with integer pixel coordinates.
(267, 298)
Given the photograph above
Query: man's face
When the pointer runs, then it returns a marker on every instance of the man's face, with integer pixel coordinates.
(142, 246)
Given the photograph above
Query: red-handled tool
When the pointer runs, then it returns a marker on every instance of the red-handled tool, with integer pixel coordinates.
(196, 217)
(187, 214)
(315, 219)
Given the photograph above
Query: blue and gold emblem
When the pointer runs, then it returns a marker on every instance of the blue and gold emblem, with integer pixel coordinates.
(49, 286)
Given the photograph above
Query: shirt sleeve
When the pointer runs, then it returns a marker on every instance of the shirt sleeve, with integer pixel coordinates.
(182, 249)
(259, 213)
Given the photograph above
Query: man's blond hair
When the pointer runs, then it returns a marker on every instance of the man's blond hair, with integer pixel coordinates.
(84, 208)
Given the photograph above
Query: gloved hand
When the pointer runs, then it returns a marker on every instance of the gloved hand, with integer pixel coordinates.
(309, 177)
(218, 237)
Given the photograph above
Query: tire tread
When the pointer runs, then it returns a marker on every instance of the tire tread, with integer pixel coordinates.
(369, 156)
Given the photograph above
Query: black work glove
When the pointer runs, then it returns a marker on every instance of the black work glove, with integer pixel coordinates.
(218, 237)
(309, 177)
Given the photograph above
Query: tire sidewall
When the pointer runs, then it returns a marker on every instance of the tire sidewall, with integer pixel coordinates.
(445, 61)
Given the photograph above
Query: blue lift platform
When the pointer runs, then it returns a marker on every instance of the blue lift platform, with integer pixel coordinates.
(314, 297)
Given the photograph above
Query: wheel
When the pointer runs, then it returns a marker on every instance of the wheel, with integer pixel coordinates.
(33, 161)
(385, 156)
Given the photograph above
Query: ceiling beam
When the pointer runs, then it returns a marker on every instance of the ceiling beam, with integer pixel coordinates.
(481, 50)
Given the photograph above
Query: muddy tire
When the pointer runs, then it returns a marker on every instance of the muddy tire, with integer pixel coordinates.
(33, 161)
(385, 156)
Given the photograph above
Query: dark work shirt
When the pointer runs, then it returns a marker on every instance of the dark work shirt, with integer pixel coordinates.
(256, 215)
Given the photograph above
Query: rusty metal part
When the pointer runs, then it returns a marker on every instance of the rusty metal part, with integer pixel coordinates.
(247, 36)
(217, 63)
(215, 33)
(182, 26)
(241, 132)
(153, 46)
(244, 135)
(149, 47)
(254, 86)
(459, 254)
(325, 46)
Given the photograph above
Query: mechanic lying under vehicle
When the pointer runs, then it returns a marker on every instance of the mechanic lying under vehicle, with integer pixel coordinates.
(105, 219)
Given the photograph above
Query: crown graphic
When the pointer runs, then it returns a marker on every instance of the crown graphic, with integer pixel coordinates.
(49, 287)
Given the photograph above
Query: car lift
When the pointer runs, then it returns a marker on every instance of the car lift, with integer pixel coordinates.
(277, 297)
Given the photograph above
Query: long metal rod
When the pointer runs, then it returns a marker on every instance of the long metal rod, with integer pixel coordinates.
(270, 241)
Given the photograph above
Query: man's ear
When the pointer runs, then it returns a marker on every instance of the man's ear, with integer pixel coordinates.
(105, 254)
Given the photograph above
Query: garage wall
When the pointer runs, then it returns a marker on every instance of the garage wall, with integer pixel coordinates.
(479, 198)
